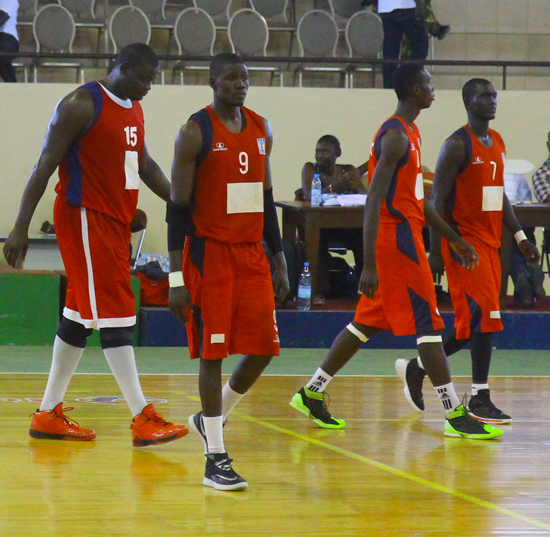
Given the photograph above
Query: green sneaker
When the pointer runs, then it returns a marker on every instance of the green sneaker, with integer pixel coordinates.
(312, 405)
(460, 424)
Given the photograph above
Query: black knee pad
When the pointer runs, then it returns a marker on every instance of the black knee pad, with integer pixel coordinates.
(73, 333)
(116, 337)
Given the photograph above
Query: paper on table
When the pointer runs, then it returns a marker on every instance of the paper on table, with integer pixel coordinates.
(346, 200)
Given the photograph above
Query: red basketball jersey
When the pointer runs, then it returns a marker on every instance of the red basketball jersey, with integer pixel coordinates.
(474, 207)
(405, 198)
(229, 181)
(100, 169)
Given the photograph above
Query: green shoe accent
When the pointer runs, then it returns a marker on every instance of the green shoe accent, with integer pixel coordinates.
(315, 409)
(459, 424)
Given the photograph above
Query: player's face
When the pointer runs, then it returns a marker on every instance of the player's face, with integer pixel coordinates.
(231, 86)
(138, 80)
(325, 154)
(484, 102)
(426, 90)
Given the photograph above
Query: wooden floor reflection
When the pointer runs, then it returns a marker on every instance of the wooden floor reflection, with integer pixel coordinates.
(390, 472)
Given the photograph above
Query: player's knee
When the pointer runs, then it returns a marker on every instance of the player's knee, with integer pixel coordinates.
(116, 337)
(73, 333)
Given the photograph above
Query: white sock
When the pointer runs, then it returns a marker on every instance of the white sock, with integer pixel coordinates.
(447, 395)
(419, 362)
(213, 427)
(319, 381)
(64, 361)
(230, 398)
(477, 387)
(122, 362)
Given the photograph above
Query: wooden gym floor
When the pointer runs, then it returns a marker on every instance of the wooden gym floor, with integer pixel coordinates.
(390, 472)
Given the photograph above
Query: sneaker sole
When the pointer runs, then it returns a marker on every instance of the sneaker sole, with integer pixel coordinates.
(193, 427)
(50, 436)
(401, 370)
(490, 436)
(237, 486)
(139, 442)
(490, 420)
(302, 409)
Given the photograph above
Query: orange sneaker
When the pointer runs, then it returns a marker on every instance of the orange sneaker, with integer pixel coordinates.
(150, 428)
(54, 425)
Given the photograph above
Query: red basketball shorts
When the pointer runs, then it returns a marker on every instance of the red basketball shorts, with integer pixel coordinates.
(475, 293)
(95, 249)
(405, 302)
(233, 306)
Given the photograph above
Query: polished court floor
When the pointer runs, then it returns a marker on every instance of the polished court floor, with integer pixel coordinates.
(390, 472)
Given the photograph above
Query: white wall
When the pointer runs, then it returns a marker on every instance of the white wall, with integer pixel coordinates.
(299, 116)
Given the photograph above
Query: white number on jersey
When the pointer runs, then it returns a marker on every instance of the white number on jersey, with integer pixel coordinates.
(243, 161)
(131, 135)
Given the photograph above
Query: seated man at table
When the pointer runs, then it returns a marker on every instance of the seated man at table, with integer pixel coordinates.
(335, 179)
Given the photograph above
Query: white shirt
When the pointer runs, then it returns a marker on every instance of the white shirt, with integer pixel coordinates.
(10, 26)
(386, 6)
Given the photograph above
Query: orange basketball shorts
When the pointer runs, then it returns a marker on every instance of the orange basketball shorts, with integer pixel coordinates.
(475, 293)
(405, 302)
(95, 249)
(233, 306)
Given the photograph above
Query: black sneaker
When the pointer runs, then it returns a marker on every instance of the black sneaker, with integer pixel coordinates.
(413, 378)
(313, 405)
(459, 424)
(220, 475)
(482, 408)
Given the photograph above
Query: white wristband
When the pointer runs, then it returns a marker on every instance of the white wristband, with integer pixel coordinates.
(175, 279)
(520, 236)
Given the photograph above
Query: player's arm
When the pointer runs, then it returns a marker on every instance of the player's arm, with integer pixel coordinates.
(526, 247)
(394, 145)
(153, 176)
(271, 232)
(71, 118)
(447, 169)
(178, 212)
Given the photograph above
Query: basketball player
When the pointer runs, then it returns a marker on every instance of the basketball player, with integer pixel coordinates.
(222, 199)
(96, 137)
(468, 191)
(396, 282)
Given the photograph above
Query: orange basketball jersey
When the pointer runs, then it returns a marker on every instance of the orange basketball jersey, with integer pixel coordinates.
(405, 198)
(474, 207)
(229, 182)
(100, 168)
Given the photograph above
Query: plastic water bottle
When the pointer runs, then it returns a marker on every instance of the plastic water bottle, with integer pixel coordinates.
(143, 260)
(316, 191)
(165, 265)
(303, 302)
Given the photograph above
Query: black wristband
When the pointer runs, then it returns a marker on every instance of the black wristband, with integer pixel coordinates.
(177, 218)
(272, 234)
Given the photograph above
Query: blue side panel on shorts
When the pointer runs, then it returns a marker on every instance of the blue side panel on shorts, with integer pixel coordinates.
(405, 241)
(476, 314)
(202, 119)
(422, 314)
(197, 246)
(74, 168)
(197, 316)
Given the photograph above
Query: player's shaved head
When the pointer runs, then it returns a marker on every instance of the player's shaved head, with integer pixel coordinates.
(221, 61)
(136, 55)
(471, 88)
(406, 76)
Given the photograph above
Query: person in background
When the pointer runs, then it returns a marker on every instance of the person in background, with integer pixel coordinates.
(9, 38)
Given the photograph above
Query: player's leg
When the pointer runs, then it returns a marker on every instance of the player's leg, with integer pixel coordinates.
(310, 399)
(50, 421)
(480, 405)
(458, 422)
(148, 427)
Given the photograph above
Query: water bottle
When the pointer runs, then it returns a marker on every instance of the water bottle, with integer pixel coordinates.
(165, 265)
(143, 260)
(316, 191)
(303, 302)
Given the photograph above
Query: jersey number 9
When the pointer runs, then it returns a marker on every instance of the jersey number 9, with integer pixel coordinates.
(243, 161)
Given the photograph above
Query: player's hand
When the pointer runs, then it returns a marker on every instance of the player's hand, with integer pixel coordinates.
(530, 252)
(281, 286)
(179, 300)
(16, 247)
(436, 263)
(467, 252)
(368, 284)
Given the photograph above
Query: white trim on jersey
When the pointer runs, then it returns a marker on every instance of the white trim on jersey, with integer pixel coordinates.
(115, 322)
(89, 268)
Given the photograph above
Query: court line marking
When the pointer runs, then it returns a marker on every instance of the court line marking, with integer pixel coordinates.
(397, 472)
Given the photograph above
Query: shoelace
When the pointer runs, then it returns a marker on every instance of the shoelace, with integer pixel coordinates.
(224, 465)
(157, 418)
(325, 405)
(64, 418)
